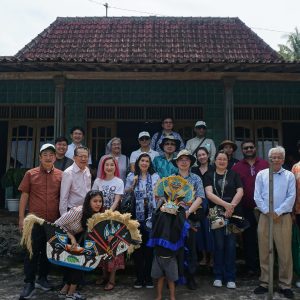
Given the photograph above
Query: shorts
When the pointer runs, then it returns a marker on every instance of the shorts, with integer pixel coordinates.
(164, 267)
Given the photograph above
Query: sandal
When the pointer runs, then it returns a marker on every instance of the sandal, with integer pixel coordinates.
(102, 281)
(109, 286)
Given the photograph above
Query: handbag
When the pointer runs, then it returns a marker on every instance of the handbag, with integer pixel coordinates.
(216, 217)
(128, 203)
(237, 224)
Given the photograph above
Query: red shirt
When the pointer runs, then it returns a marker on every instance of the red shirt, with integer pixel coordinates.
(248, 174)
(44, 190)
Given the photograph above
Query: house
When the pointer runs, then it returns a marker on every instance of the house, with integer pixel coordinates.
(116, 76)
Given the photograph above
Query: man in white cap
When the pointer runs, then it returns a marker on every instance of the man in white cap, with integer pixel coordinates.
(40, 189)
(144, 141)
(200, 140)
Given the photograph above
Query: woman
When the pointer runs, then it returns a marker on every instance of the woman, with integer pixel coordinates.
(229, 147)
(113, 148)
(143, 181)
(112, 188)
(224, 188)
(74, 222)
(204, 234)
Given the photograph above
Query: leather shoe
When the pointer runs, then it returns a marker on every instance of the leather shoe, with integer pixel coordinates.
(260, 290)
(287, 293)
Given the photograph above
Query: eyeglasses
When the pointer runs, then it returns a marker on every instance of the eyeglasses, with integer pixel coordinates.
(201, 127)
(144, 138)
(169, 144)
(248, 148)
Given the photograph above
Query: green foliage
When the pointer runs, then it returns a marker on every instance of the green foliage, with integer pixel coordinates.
(291, 51)
(12, 178)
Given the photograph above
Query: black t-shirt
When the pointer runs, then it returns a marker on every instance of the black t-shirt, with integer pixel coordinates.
(232, 182)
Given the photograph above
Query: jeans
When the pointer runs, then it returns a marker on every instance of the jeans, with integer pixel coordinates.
(224, 255)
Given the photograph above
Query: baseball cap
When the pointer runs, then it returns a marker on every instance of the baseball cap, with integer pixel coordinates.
(200, 123)
(144, 133)
(47, 146)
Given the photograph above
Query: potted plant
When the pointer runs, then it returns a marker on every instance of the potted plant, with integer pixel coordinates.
(11, 181)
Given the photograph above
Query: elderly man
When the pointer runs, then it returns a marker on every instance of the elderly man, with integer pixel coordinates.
(40, 190)
(163, 164)
(284, 197)
(184, 162)
(144, 141)
(76, 181)
(167, 125)
(200, 140)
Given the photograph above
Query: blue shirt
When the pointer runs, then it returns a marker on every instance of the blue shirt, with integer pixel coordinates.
(284, 191)
(196, 182)
(164, 167)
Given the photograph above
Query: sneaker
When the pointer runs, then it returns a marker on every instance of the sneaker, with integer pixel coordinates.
(231, 285)
(28, 290)
(149, 284)
(75, 296)
(138, 284)
(297, 284)
(287, 293)
(260, 290)
(62, 295)
(43, 284)
(217, 283)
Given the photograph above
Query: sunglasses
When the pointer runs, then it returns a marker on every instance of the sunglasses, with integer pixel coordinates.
(144, 138)
(248, 147)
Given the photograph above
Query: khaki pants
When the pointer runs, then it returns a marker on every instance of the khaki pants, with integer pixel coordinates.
(282, 232)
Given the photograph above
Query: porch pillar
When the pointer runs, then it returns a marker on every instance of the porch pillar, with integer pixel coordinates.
(229, 108)
(59, 106)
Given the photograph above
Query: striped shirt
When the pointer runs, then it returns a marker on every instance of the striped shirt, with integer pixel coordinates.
(71, 220)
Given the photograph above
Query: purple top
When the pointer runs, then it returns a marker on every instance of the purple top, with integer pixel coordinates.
(248, 174)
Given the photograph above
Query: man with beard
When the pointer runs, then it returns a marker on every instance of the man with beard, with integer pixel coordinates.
(248, 168)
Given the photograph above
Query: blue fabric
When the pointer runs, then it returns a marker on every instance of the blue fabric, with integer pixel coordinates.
(181, 280)
(196, 182)
(169, 245)
(224, 255)
(164, 167)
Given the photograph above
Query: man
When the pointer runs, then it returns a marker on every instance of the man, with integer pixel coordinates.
(200, 140)
(144, 141)
(61, 146)
(167, 129)
(284, 198)
(162, 164)
(40, 190)
(77, 136)
(248, 168)
(76, 181)
(184, 161)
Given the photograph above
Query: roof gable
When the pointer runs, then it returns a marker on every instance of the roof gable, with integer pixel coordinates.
(148, 40)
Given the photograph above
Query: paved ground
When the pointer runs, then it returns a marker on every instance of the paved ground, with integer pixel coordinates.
(11, 283)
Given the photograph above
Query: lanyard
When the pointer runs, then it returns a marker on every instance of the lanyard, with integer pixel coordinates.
(223, 185)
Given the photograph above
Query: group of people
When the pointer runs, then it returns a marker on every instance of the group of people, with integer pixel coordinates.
(62, 191)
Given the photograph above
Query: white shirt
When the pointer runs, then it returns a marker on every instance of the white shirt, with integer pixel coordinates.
(109, 188)
(70, 152)
(135, 154)
(209, 144)
(74, 186)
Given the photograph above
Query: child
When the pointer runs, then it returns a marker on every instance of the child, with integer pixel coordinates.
(167, 237)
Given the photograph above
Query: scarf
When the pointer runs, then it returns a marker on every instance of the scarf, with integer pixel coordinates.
(143, 198)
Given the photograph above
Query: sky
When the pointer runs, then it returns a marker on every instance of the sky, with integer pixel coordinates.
(22, 20)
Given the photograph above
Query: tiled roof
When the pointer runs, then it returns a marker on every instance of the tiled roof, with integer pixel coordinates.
(148, 40)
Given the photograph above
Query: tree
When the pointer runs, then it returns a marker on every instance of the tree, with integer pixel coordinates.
(291, 51)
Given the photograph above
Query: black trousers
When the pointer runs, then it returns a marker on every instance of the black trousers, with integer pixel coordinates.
(143, 258)
(39, 263)
(250, 242)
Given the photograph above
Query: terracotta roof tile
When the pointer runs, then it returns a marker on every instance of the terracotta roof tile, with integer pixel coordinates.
(148, 39)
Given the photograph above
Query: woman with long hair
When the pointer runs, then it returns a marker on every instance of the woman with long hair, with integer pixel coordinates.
(204, 236)
(143, 182)
(112, 188)
(75, 223)
(114, 148)
(224, 188)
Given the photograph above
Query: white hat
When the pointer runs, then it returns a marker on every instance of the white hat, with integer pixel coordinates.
(144, 133)
(200, 123)
(47, 146)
